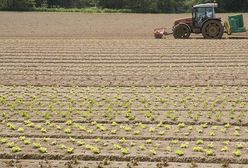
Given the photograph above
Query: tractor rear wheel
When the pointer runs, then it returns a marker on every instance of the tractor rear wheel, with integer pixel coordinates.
(181, 31)
(213, 29)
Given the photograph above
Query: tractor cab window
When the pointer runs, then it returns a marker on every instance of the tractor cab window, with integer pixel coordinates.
(210, 12)
(201, 14)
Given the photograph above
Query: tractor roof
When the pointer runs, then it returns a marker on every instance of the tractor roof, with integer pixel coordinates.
(206, 5)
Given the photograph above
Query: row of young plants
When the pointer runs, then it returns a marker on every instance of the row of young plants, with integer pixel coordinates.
(132, 106)
(94, 128)
(62, 110)
(150, 116)
(122, 146)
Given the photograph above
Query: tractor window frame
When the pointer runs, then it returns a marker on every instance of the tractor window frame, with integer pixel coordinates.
(194, 13)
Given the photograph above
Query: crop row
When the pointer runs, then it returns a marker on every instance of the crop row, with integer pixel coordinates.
(130, 131)
(171, 105)
(122, 147)
(144, 116)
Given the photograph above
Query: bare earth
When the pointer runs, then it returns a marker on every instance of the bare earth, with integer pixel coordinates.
(123, 62)
(96, 90)
(78, 25)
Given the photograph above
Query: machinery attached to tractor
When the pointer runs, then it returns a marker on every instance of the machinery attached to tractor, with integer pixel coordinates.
(204, 21)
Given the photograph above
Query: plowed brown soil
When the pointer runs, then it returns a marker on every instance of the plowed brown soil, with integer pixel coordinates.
(79, 25)
(97, 90)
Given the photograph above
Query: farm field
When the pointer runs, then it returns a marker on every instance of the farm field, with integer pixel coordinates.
(77, 97)
(89, 26)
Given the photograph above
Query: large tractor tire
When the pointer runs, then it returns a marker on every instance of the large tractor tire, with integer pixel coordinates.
(213, 29)
(181, 31)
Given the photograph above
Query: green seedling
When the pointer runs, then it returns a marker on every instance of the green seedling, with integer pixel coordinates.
(179, 152)
(209, 152)
(117, 146)
(204, 125)
(36, 145)
(161, 132)
(226, 142)
(67, 130)
(46, 139)
(152, 129)
(198, 149)
(27, 141)
(142, 147)
(199, 142)
(137, 132)
(114, 124)
(70, 150)
(43, 130)
(224, 149)
(16, 149)
(181, 125)
(53, 143)
(132, 144)
(174, 142)
(122, 140)
(10, 144)
(184, 145)
(72, 139)
(80, 143)
(95, 150)
(153, 152)
(237, 153)
(149, 141)
(125, 151)
(11, 126)
(236, 133)
(62, 146)
(211, 145)
(114, 131)
(58, 127)
(239, 146)
(43, 150)
(227, 125)
(3, 140)
(21, 130)
(212, 133)
(22, 138)
(69, 122)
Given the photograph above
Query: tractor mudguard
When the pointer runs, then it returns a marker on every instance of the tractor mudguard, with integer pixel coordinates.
(181, 23)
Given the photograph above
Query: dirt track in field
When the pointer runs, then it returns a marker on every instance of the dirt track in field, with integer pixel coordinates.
(79, 25)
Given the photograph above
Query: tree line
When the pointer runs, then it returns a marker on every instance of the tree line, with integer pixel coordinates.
(144, 6)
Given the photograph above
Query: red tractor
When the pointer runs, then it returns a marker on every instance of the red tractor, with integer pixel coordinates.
(203, 21)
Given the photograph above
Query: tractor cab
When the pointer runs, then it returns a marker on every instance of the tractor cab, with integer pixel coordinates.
(201, 13)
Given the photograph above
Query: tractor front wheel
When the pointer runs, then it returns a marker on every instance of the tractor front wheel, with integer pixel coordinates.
(181, 31)
(213, 29)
